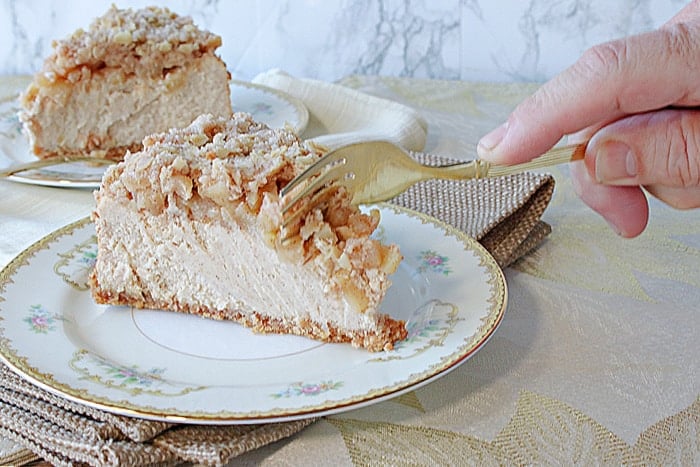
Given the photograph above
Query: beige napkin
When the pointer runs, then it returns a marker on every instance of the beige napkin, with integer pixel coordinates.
(339, 115)
(63, 432)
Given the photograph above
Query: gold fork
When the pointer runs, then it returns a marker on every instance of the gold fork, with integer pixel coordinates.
(49, 162)
(376, 171)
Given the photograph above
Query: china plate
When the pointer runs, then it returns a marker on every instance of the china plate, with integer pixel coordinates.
(183, 368)
(275, 108)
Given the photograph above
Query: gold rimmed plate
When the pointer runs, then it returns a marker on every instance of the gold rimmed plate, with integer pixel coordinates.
(176, 367)
(270, 106)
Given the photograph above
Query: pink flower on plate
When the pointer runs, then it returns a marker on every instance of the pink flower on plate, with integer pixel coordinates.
(311, 389)
(40, 320)
(432, 261)
(301, 389)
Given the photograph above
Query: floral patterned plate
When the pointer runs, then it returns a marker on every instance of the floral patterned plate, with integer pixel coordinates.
(267, 105)
(183, 368)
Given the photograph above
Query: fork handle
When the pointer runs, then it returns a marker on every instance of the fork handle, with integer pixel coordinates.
(48, 162)
(481, 169)
(555, 156)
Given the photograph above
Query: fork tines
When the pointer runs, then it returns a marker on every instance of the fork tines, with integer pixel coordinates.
(313, 188)
(328, 161)
(329, 169)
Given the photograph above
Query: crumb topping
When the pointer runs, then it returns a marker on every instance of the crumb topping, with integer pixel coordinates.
(148, 40)
(237, 166)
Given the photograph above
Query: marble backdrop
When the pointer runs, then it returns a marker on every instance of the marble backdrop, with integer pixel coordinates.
(478, 40)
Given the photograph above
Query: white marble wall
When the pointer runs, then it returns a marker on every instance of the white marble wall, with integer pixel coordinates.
(493, 40)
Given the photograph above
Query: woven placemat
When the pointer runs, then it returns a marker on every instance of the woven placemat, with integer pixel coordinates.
(504, 214)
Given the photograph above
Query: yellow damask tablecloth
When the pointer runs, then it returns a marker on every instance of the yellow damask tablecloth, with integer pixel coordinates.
(595, 362)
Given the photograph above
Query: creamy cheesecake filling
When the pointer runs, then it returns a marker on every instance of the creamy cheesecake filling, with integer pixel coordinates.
(192, 223)
(195, 264)
(113, 111)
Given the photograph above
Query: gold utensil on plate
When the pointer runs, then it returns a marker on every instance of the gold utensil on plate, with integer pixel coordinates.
(376, 171)
(51, 161)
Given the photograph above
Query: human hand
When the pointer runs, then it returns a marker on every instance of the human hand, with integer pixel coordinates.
(634, 100)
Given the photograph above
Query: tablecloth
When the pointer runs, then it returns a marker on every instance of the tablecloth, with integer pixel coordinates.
(595, 361)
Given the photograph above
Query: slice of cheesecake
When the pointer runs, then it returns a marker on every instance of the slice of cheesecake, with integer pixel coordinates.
(131, 74)
(192, 224)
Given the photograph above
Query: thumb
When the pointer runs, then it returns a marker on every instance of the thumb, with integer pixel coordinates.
(659, 150)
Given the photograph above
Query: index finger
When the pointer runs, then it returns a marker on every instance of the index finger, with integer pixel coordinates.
(626, 76)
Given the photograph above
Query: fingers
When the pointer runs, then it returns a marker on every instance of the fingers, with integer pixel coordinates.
(679, 198)
(608, 82)
(625, 208)
(614, 96)
(658, 150)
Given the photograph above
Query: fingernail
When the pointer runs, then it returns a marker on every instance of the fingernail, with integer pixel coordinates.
(614, 228)
(614, 162)
(489, 142)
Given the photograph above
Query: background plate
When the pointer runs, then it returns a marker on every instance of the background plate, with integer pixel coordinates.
(267, 105)
(178, 367)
